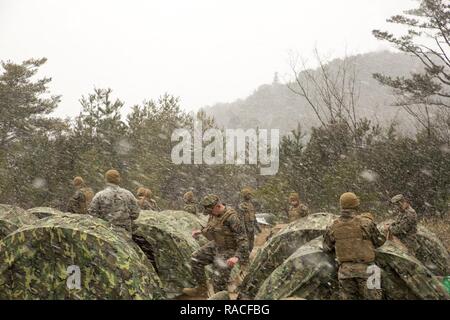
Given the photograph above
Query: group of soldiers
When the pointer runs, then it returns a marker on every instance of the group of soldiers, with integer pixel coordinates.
(353, 237)
(82, 199)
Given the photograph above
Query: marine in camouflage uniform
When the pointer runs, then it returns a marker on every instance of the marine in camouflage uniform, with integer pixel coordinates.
(114, 204)
(405, 225)
(80, 201)
(228, 245)
(145, 201)
(353, 238)
(296, 209)
(189, 203)
(248, 216)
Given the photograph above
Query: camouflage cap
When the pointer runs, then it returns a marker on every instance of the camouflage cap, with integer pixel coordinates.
(210, 201)
(396, 199)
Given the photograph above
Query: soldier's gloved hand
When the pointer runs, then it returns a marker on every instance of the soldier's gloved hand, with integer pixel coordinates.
(196, 234)
(232, 261)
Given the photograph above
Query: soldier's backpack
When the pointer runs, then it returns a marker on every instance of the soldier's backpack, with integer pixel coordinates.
(88, 196)
(350, 244)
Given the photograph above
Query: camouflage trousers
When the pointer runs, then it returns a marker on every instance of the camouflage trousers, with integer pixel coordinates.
(250, 229)
(356, 289)
(210, 254)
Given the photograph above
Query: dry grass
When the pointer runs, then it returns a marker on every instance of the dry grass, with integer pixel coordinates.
(440, 227)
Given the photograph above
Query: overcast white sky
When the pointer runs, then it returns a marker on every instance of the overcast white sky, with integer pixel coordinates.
(203, 51)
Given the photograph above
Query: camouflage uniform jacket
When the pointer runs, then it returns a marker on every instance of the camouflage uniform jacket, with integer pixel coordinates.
(228, 233)
(190, 207)
(295, 213)
(405, 228)
(248, 213)
(405, 224)
(79, 202)
(116, 205)
(370, 232)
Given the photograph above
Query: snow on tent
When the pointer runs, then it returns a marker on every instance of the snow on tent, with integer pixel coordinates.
(12, 218)
(44, 212)
(167, 239)
(74, 257)
(310, 273)
(430, 250)
(281, 246)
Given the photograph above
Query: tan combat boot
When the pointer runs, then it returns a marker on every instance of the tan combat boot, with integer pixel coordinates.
(200, 291)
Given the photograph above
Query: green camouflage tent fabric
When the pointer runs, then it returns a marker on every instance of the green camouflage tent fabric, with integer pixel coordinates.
(222, 295)
(430, 251)
(168, 234)
(281, 246)
(310, 273)
(185, 222)
(12, 218)
(36, 262)
(44, 212)
(405, 277)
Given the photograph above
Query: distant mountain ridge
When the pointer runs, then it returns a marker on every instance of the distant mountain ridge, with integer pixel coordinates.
(276, 106)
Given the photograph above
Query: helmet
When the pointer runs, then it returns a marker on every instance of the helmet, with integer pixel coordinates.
(112, 176)
(141, 192)
(188, 196)
(294, 197)
(247, 193)
(78, 181)
(349, 200)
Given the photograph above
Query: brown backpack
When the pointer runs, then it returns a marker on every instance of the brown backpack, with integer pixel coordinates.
(88, 196)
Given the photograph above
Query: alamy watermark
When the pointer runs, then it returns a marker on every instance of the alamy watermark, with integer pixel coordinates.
(374, 280)
(74, 277)
(232, 146)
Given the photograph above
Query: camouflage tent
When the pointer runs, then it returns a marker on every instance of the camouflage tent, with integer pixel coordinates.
(222, 295)
(404, 277)
(169, 240)
(46, 260)
(44, 212)
(281, 246)
(430, 251)
(310, 273)
(12, 218)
